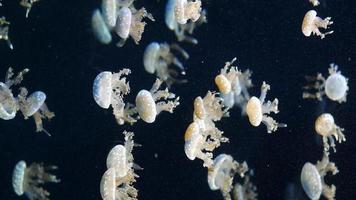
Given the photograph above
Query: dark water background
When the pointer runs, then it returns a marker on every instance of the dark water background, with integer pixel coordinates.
(57, 44)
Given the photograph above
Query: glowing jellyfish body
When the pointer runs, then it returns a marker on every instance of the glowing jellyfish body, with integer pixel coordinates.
(100, 29)
(312, 23)
(326, 127)
(35, 102)
(335, 86)
(184, 11)
(108, 185)
(117, 159)
(146, 106)
(30, 179)
(257, 110)
(312, 179)
(102, 89)
(109, 12)
(8, 104)
(123, 23)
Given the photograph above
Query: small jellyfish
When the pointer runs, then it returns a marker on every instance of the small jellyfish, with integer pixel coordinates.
(29, 180)
(158, 57)
(257, 110)
(312, 179)
(100, 29)
(4, 31)
(314, 2)
(185, 10)
(221, 174)
(245, 191)
(335, 87)
(109, 89)
(148, 103)
(109, 12)
(326, 127)
(115, 184)
(28, 5)
(312, 23)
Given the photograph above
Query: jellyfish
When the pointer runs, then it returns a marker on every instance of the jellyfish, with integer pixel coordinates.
(233, 85)
(100, 29)
(109, 12)
(314, 2)
(245, 191)
(312, 23)
(28, 5)
(312, 179)
(185, 10)
(109, 89)
(115, 184)
(29, 180)
(326, 127)
(4, 31)
(335, 86)
(181, 30)
(221, 174)
(257, 110)
(158, 57)
(149, 103)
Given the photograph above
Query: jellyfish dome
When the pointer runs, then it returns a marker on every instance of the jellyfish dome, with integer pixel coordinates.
(18, 177)
(8, 105)
(336, 86)
(117, 159)
(108, 185)
(146, 106)
(102, 89)
(150, 57)
(35, 101)
(311, 181)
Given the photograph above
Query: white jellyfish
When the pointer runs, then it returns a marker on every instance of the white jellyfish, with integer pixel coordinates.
(314, 2)
(28, 5)
(158, 58)
(312, 179)
(181, 30)
(109, 89)
(245, 191)
(335, 86)
(115, 184)
(326, 127)
(109, 10)
(4, 31)
(312, 23)
(185, 10)
(100, 29)
(257, 110)
(221, 174)
(149, 103)
(233, 85)
(29, 180)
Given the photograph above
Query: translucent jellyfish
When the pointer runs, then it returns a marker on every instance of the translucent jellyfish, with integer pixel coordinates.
(221, 174)
(115, 186)
(109, 12)
(29, 180)
(314, 2)
(149, 103)
(257, 110)
(100, 29)
(109, 89)
(233, 85)
(245, 191)
(312, 23)
(4, 31)
(181, 30)
(185, 10)
(28, 5)
(312, 179)
(326, 127)
(202, 136)
(158, 58)
(335, 87)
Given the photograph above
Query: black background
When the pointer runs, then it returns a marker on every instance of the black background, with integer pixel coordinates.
(57, 44)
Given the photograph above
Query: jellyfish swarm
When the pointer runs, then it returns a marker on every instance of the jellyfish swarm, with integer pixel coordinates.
(4, 31)
(326, 127)
(312, 179)
(158, 58)
(202, 136)
(221, 174)
(245, 191)
(29, 180)
(117, 181)
(335, 86)
(233, 85)
(312, 23)
(181, 30)
(28, 5)
(257, 110)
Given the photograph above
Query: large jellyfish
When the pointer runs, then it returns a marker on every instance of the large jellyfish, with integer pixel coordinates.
(28, 5)
(312, 23)
(335, 86)
(4, 31)
(29, 180)
(158, 58)
(312, 179)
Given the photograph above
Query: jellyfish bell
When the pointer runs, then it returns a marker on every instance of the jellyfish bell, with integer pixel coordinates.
(336, 86)
(8, 105)
(146, 106)
(108, 185)
(123, 22)
(102, 89)
(35, 101)
(254, 111)
(18, 177)
(100, 29)
(324, 124)
(150, 57)
(169, 15)
(193, 139)
(311, 181)
(109, 12)
(117, 159)
(224, 85)
(221, 169)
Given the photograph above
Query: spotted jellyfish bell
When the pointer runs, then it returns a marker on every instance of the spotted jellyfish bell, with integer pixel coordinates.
(8, 104)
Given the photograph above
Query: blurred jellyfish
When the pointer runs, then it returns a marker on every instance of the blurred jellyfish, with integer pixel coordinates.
(181, 30)
(257, 110)
(335, 87)
(109, 10)
(4, 31)
(245, 191)
(312, 23)
(326, 127)
(28, 5)
(202, 136)
(109, 89)
(29, 180)
(233, 85)
(314, 2)
(312, 179)
(158, 58)
(149, 103)
(117, 181)
(185, 10)
(100, 29)
(221, 174)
